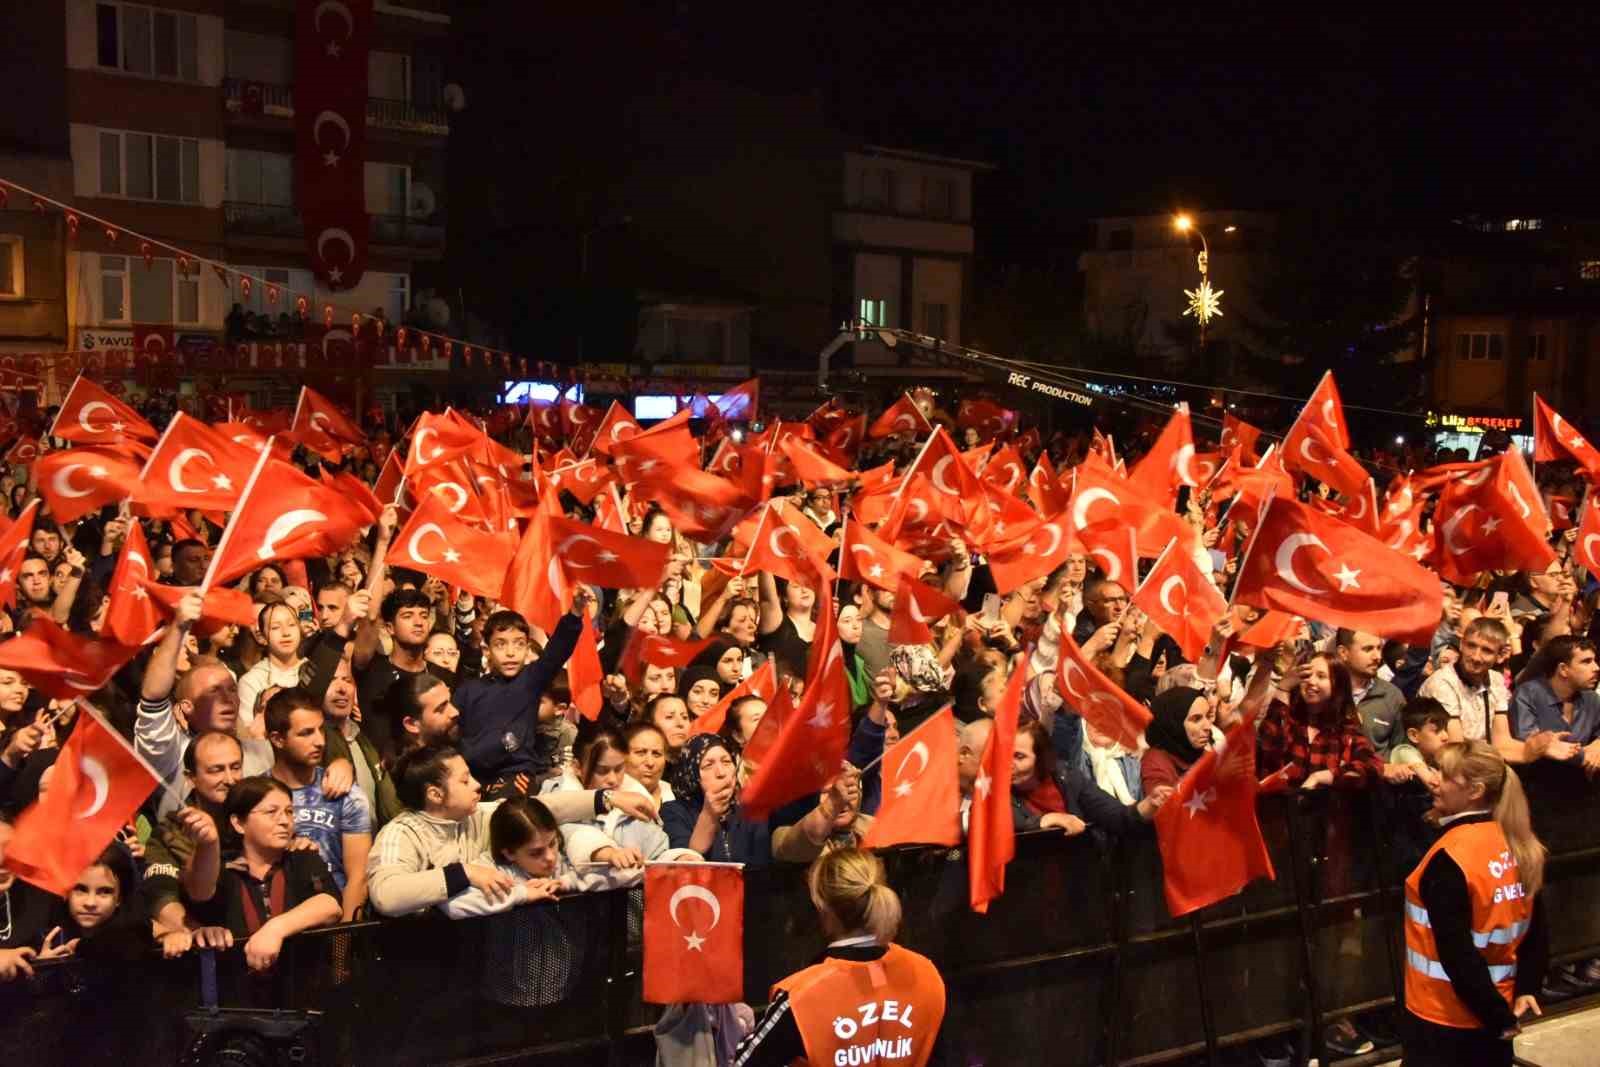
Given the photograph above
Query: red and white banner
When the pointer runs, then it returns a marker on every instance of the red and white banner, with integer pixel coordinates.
(330, 118)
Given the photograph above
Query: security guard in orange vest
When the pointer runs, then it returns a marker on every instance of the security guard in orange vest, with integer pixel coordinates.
(868, 1001)
(1476, 942)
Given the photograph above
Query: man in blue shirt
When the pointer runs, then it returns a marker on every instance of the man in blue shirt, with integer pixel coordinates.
(1558, 697)
(342, 828)
(507, 744)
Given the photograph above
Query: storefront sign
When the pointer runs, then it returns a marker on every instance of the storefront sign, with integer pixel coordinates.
(95, 339)
(1473, 423)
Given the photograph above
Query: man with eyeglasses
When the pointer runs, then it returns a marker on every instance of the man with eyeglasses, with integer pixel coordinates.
(1104, 601)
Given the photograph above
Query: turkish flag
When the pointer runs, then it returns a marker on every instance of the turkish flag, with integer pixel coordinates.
(222, 606)
(903, 416)
(694, 933)
(921, 788)
(763, 683)
(60, 663)
(194, 466)
(1326, 410)
(390, 486)
(1115, 551)
(131, 616)
(916, 604)
(617, 425)
(283, 514)
(96, 786)
(584, 675)
(81, 480)
(991, 839)
(1100, 496)
(658, 651)
(1556, 439)
(435, 541)
(847, 436)
(1210, 841)
(811, 744)
(1167, 465)
(322, 427)
(440, 439)
(330, 122)
(599, 557)
(355, 488)
(1269, 631)
(985, 416)
(1314, 565)
(1319, 455)
(941, 463)
(668, 443)
(1045, 549)
(1587, 547)
(545, 419)
(455, 485)
(535, 586)
(1236, 433)
(1044, 487)
(701, 505)
(740, 403)
(1361, 510)
(1097, 698)
(1181, 600)
(23, 450)
(91, 416)
(1491, 519)
(13, 547)
(1005, 471)
(577, 420)
(811, 467)
(584, 479)
(866, 557)
(782, 545)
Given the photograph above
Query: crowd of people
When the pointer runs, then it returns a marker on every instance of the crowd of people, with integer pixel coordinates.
(378, 743)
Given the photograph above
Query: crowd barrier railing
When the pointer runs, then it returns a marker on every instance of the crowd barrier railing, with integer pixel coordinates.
(1078, 963)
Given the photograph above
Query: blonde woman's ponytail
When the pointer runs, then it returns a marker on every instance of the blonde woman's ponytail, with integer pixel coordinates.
(849, 888)
(1478, 763)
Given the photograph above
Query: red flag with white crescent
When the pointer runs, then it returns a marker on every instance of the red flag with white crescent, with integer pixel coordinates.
(693, 933)
(921, 788)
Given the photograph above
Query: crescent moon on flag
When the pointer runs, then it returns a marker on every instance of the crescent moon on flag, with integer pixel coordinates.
(1055, 539)
(918, 509)
(335, 234)
(938, 477)
(458, 492)
(1477, 478)
(1181, 462)
(1067, 667)
(1166, 593)
(1449, 530)
(95, 772)
(1086, 499)
(422, 455)
(1360, 512)
(574, 539)
(1587, 548)
(920, 752)
(62, 482)
(1283, 559)
(777, 535)
(1327, 413)
(337, 8)
(319, 420)
(1522, 505)
(316, 137)
(911, 422)
(283, 526)
(175, 469)
(858, 548)
(144, 564)
(618, 426)
(695, 892)
(414, 542)
(1113, 564)
(1305, 451)
(1015, 478)
(87, 409)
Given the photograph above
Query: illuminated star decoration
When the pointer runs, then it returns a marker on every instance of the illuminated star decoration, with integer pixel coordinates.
(1204, 302)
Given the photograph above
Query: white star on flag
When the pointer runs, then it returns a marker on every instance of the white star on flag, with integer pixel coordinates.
(903, 789)
(981, 786)
(222, 481)
(330, 159)
(452, 556)
(98, 472)
(1489, 525)
(1199, 802)
(605, 556)
(333, 49)
(695, 941)
(876, 571)
(1347, 578)
(335, 275)
(824, 716)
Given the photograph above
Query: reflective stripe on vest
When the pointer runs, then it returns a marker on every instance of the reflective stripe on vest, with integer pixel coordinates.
(1434, 969)
(1501, 935)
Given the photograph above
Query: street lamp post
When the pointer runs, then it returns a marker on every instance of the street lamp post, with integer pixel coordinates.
(1204, 301)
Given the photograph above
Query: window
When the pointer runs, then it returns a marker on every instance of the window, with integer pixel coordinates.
(388, 189)
(939, 198)
(398, 300)
(877, 187)
(1513, 225)
(698, 339)
(142, 166)
(260, 177)
(1480, 346)
(11, 267)
(388, 75)
(159, 293)
(147, 41)
(289, 283)
(934, 319)
(1538, 349)
(872, 312)
(1589, 270)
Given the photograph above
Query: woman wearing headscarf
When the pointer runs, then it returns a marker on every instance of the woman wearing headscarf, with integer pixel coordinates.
(701, 687)
(706, 817)
(1179, 734)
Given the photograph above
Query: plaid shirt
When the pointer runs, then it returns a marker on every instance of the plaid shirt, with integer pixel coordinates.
(1283, 740)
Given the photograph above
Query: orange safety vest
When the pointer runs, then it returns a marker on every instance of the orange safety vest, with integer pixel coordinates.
(1501, 911)
(852, 1013)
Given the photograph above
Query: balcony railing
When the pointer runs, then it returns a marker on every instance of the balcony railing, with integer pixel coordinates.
(279, 220)
(242, 97)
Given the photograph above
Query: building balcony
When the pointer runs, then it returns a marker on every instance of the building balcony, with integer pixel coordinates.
(278, 220)
(254, 99)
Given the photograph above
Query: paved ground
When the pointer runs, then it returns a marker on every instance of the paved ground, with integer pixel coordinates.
(1570, 1041)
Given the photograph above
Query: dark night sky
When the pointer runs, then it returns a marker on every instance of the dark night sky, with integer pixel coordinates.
(1107, 107)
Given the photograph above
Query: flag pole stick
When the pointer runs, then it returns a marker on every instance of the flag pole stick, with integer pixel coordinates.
(238, 508)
